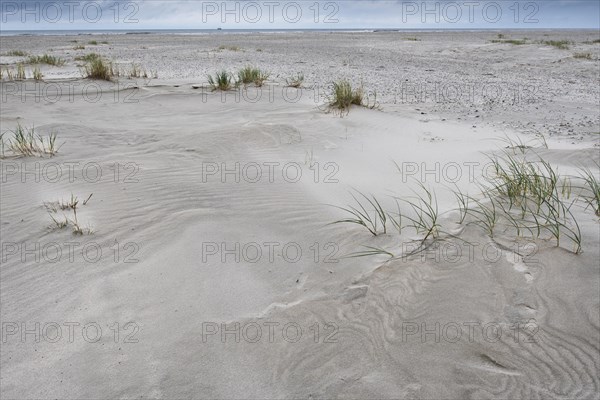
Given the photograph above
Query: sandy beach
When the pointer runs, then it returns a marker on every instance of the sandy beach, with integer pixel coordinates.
(205, 255)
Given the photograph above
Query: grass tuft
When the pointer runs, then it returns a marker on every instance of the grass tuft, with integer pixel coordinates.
(592, 185)
(16, 53)
(71, 204)
(295, 81)
(371, 219)
(230, 48)
(88, 57)
(515, 42)
(559, 44)
(527, 197)
(26, 143)
(100, 70)
(37, 74)
(344, 96)
(222, 81)
(20, 72)
(249, 75)
(532, 196)
(138, 72)
(425, 207)
(46, 59)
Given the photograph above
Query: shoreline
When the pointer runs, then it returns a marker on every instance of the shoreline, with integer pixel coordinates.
(94, 32)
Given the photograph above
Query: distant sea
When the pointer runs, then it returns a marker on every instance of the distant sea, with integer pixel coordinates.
(223, 31)
(167, 31)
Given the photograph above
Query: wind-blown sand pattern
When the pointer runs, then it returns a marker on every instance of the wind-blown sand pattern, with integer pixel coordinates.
(517, 318)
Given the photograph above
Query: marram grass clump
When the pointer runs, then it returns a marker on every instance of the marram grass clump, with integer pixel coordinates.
(88, 57)
(249, 75)
(559, 44)
(523, 198)
(295, 81)
(344, 96)
(25, 142)
(16, 53)
(223, 81)
(46, 59)
(100, 70)
(37, 74)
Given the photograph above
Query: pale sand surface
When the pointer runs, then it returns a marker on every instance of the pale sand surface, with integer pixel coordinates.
(169, 209)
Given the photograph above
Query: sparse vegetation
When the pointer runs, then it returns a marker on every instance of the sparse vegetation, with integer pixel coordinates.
(37, 74)
(515, 42)
(26, 143)
(93, 42)
(559, 44)
(592, 187)
(344, 96)
(46, 59)
(295, 81)
(230, 48)
(222, 81)
(374, 220)
(21, 72)
(138, 72)
(250, 75)
(71, 204)
(100, 70)
(88, 57)
(528, 198)
(16, 53)
(425, 208)
(59, 224)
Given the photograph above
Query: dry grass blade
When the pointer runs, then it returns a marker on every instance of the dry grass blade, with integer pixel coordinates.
(425, 207)
(593, 188)
(371, 251)
(370, 220)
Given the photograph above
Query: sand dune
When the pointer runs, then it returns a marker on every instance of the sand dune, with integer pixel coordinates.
(213, 269)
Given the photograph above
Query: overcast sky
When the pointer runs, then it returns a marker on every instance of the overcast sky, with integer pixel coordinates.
(312, 14)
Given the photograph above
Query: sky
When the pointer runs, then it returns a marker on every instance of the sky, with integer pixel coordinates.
(284, 14)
